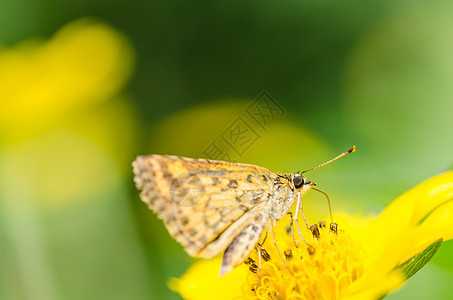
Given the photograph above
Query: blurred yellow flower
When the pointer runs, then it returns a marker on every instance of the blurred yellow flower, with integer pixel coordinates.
(366, 259)
(63, 124)
(65, 133)
(84, 64)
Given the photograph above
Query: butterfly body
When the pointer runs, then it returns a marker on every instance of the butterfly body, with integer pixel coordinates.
(212, 206)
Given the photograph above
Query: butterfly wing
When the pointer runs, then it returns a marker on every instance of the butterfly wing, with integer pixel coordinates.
(204, 204)
(241, 246)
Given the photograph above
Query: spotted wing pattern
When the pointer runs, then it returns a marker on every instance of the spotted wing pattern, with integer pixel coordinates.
(205, 204)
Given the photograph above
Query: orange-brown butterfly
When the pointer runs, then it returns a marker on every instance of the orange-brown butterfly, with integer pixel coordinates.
(212, 206)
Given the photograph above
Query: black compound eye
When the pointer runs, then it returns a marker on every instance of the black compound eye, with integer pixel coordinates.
(298, 182)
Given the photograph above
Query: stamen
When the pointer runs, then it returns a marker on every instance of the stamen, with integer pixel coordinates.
(288, 254)
(265, 255)
(333, 262)
(334, 227)
(253, 268)
(315, 231)
(289, 227)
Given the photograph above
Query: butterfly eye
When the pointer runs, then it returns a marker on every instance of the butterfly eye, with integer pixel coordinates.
(298, 182)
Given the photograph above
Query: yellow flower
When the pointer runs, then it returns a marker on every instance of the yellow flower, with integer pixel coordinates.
(366, 259)
(45, 83)
(63, 121)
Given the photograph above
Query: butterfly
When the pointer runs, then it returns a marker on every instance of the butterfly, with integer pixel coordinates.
(212, 206)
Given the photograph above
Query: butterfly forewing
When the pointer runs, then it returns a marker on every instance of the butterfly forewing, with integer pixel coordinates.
(204, 204)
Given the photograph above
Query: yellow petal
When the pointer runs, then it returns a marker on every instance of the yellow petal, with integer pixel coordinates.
(411, 207)
(202, 282)
(440, 221)
(380, 288)
(406, 212)
(406, 227)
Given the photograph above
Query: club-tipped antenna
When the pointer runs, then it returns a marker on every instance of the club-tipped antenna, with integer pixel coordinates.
(328, 202)
(350, 150)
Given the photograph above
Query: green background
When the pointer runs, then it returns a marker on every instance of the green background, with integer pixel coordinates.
(375, 74)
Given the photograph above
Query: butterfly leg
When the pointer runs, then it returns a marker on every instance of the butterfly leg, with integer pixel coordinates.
(274, 241)
(333, 225)
(296, 218)
(292, 228)
(265, 237)
(259, 263)
(259, 249)
(302, 210)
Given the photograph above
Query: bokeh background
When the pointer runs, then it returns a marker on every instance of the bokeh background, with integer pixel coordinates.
(85, 86)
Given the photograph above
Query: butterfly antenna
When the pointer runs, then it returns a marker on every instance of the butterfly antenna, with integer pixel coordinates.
(350, 150)
(328, 202)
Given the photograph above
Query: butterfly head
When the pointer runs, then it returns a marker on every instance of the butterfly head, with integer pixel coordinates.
(301, 183)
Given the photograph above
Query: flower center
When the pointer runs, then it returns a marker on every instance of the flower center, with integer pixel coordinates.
(325, 274)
